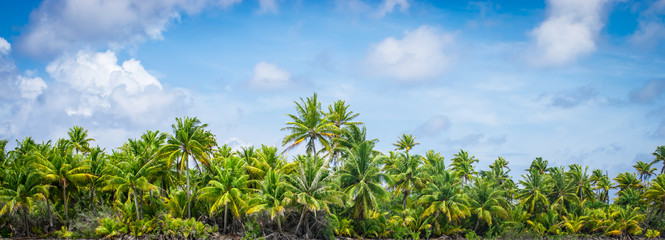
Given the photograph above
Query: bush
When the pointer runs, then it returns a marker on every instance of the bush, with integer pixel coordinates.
(185, 228)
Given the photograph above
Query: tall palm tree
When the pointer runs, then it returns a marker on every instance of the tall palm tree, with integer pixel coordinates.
(656, 194)
(227, 188)
(78, 136)
(308, 124)
(98, 163)
(659, 155)
(189, 139)
(487, 201)
(339, 114)
(312, 188)
(536, 186)
(407, 175)
(539, 165)
(627, 180)
(462, 163)
(347, 138)
(405, 142)
(361, 180)
(581, 181)
(444, 197)
(20, 190)
(273, 197)
(645, 170)
(127, 173)
(563, 192)
(64, 170)
(434, 163)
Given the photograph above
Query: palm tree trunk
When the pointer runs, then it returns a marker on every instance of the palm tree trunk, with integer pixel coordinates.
(136, 204)
(475, 229)
(189, 196)
(50, 217)
(279, 224)
(302, 216)
(64, 199)
(226, 209)
(406, 195)
(92, 198)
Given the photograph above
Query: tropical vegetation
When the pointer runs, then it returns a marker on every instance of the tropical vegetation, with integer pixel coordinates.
(182, 184)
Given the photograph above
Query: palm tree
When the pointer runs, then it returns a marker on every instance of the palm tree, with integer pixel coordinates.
(273, 197)
(659, 155)
(348, 137)
(127, 173)
(310, 125)
(563, 192)
(97, 166)
(644, 170)
(539, 165)
(463, 165)
(64, 170)
(311, 187)
(189, 139)
(444, 197)
(361, 180)
(407, 175)
(627, 180)
(656, 194)
(487, 201)
(581, 181)
(434, 163)
(405, 142)
(20, 190)
(227, 188)
(340, 116)
(536, 186)
(78, 137)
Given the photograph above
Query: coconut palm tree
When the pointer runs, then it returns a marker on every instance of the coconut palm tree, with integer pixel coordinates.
(312, 188)
(536, 186)
(347, 138)
(189, 139)
(78, 137)
(340, 116)
(308, 125)
(98, 162)
(128, 173)
(581, 181)
(63, 170)
(407, 175)
(656, 194)
(273, 197)
(645, 170)
(434, 163)
(487, 202)
(443, 196)
(405, 142)
(627, 180)
(563, 192)
(539, 165)
(20, 190)
(227, 189)
(462, 164)
(361, 180)
(659, 155)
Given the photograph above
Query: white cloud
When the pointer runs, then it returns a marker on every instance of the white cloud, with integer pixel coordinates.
(389, 5)
(101, 85)
(268, 6)
(419, 55)
(569, 32)
(5, 47)
(269, 76)
(58, 26)
(31, 88)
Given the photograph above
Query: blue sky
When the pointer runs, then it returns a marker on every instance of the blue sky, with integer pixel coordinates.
(571, 81)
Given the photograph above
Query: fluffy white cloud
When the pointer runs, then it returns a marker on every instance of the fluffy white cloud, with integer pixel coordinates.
(569, 32)
(31, 88)
(58, 26)
(420, 55)
(269, 76)
(103, 85)
(5, 47)
(268, 6)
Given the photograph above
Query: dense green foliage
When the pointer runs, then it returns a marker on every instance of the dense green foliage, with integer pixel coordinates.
(184, 185)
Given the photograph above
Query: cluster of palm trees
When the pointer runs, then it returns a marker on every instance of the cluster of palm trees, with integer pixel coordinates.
(341, 186)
